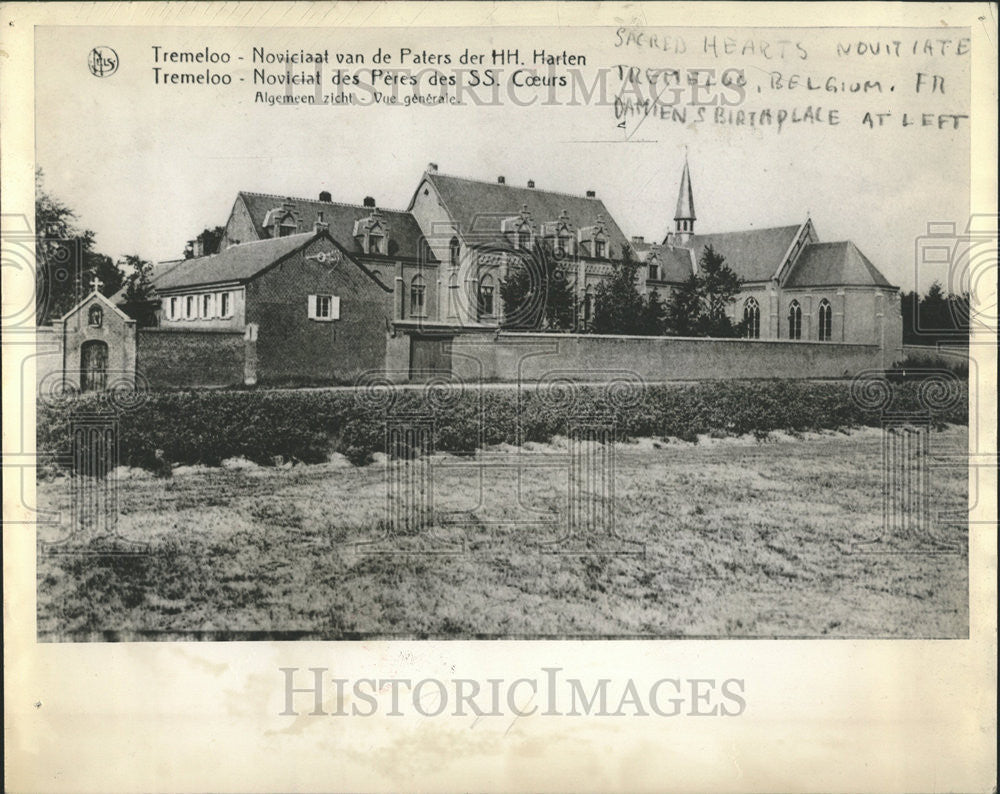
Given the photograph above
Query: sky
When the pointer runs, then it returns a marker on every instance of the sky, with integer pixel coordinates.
(147, 166)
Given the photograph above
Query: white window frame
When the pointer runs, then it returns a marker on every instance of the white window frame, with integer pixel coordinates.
(190, 301)
(315, 308)
(221, 309)
(173, 305)
(207, 304)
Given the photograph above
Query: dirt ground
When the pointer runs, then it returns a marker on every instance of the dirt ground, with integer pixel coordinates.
(724, 538)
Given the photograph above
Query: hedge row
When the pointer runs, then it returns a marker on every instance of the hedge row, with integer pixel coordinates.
(209, 426)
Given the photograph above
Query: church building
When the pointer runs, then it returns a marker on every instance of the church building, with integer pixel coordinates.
(319, 290)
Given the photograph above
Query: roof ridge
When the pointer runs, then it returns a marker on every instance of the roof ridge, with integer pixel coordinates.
(745, 231)
(317, 201)
(518, 187)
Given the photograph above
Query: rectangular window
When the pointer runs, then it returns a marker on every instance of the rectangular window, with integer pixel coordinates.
(599, 246)
(173, 308)
(654, 272)
(225, 305)
(190, 308)
(207, 307)
(375, 244)
(324, 307)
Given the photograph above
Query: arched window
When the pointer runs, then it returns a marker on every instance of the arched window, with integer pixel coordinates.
(588, 305)
(751, 316)
(486, 296)
(794, 320)
(453, 295)
(418, 292)
(825, 321)
(454, 250)
(95, 317)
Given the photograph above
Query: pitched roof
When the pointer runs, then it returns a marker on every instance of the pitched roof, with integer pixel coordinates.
(237, 263)
(754, 255)
(685, 197)
(675, 262)
(834, 264)
(404, 231)
(479, 207)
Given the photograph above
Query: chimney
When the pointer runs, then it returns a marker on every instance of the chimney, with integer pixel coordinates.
(432, 167)
(591, 194)
(324, 195)
(638, 240)
(197, 247)
(501, 180)
(320, 225)
(531, 183)
(369, 202)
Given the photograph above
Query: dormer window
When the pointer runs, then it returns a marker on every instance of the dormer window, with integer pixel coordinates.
(372, 232)
(596, 237)
(519, 228)
(600, 248)
(654, 271)
(523, 238)
(564, 245)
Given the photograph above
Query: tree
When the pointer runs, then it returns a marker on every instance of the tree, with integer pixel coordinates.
(699, 306)
(138, 293)
(935, 317)
(618, 305)
(538, 293)
(210, 240)
(684, 308)
(654, 315)
(66, 260)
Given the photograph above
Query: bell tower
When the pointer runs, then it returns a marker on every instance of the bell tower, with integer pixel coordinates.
(684, 216)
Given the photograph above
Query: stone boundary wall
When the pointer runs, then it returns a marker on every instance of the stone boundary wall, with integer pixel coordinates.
(168, 358)
(510, 356)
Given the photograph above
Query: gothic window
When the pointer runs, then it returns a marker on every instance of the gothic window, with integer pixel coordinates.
(95, 317)
(453, 295)
(486, 289)
(794, 320)
(751, 316)
(825, 321)
(418, 292)
(454, 249)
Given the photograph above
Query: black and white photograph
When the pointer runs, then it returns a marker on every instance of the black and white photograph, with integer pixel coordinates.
(350, 334)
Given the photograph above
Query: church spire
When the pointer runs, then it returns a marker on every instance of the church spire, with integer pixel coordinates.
(684, 217)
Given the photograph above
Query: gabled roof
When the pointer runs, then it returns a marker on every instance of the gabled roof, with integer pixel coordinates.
(405, 233)
(834, 264)
(676, 264)
(480, 207)
(754, 255)
(102, 299)
(236, 264)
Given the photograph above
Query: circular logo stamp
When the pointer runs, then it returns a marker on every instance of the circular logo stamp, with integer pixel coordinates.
(103, 61)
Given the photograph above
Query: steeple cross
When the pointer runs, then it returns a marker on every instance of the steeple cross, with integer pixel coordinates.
(96, 284)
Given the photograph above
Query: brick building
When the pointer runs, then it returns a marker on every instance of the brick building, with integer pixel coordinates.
(315, 290)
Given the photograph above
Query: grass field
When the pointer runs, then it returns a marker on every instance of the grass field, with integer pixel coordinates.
(742, 538)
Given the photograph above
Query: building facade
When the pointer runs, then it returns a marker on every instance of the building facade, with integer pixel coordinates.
(314, 290)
